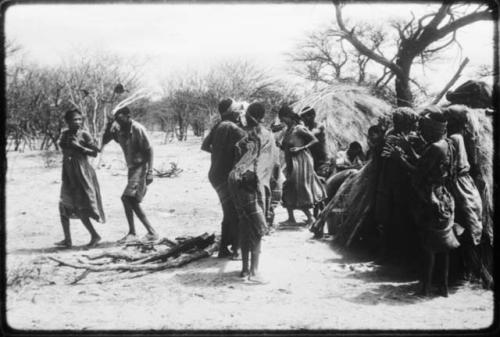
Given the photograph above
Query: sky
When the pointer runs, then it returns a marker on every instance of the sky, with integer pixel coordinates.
(167, 38)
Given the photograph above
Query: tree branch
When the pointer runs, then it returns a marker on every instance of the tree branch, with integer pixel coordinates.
(349, 36)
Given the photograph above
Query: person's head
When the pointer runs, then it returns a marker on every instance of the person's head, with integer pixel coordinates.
(122, 116)
(74, 119)
(456, 116)
(354, 149)
(404, 119)
(308, 115)
(287, 116)
(432, 125)
(227, 110)
(375, 135)
(255, 114)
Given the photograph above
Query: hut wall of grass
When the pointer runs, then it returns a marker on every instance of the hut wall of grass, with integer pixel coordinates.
(347, 112)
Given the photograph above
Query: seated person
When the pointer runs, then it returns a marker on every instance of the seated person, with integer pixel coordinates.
(353, 158)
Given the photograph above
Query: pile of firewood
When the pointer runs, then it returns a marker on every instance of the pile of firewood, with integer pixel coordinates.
(151, 257)
(172, 172)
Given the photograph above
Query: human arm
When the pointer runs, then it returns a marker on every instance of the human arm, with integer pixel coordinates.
(308, 138)
(206, 145)
(149, 156)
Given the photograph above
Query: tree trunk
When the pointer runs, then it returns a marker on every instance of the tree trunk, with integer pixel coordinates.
(403, 91)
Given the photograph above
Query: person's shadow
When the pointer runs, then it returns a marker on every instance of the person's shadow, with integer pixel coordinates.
(55, 249)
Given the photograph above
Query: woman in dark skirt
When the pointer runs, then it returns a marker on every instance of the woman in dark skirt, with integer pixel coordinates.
(433, 205)
(80, 194)
(303, 188)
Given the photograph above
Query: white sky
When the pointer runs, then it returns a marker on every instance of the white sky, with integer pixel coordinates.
(174, 37)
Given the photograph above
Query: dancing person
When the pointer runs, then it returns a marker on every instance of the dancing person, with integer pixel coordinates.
(138, 152)
(302, 188)
(80, 193)
(258, 157)
(220, 144)
(434, 205)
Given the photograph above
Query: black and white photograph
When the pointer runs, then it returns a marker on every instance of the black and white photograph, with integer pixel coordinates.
(322, 166)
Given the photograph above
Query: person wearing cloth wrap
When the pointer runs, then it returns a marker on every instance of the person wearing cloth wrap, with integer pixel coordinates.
(392, 205)
(249, 182)
(302, 189)
(138, 152)
(80, 193)
(468, 204)
(220, 143)
(318, 150)
(433, 207)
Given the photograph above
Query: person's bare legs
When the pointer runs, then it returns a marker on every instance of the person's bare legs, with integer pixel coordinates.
(67, 233)
(94, 237)
(129, 213)
(291, 218)
(255, 275)
(445, 265)
(310, 218)
(426, 281)
(136, 206)
(245, 271)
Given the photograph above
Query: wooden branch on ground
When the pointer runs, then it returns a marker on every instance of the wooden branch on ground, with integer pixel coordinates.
(185, 252)
(452, 81)
(177, 262)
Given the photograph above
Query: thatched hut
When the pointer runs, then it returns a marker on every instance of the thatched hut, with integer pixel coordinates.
(346, 111)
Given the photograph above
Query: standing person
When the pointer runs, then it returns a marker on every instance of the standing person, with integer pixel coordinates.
(220, 143)
(138, 152)
(392, 206)
(80, 194)
(318, 150)
(467, 198)
(302, 189)
(257, 156)
(433, 206)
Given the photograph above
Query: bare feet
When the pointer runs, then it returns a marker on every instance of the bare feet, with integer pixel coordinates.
(236, 256)
(128, 238)
(244, 274)
(94, 241)
(150, 237)
(288, 223)
(64, 243)
(310, 221)
(223, 253)
(257, 278)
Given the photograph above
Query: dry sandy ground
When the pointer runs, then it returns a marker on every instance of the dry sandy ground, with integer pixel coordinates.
(311, 284)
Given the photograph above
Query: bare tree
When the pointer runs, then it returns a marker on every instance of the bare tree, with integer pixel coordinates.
(419, 37)
(324, 57)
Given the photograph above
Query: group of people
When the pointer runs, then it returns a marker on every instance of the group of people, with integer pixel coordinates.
(80, 196)
(250, 180)
(424, 198)
(425, 188)
(422, 183)
(425, 203)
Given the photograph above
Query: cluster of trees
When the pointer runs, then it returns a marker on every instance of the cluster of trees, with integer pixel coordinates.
(379, 56)
(344, 51)
(190, 100)
(37, 97)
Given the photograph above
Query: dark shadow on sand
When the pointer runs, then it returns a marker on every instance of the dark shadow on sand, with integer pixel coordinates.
(54, 249)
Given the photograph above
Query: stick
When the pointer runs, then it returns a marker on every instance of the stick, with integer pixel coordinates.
(178, 262)
(452, 81)
(198, 241)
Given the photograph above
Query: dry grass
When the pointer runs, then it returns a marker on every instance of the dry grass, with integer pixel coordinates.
(346, 112)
